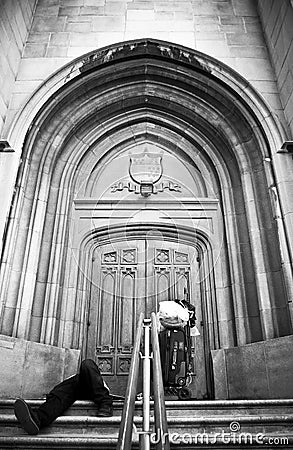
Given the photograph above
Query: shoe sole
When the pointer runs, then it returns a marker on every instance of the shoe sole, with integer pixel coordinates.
(24, 417)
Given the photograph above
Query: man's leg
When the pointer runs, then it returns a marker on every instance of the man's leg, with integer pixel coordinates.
(92, 387)
(58, 400)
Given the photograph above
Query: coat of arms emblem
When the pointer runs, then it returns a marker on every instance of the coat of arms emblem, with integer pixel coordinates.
(145, 168)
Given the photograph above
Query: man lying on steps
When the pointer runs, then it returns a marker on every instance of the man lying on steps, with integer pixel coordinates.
(88, 384)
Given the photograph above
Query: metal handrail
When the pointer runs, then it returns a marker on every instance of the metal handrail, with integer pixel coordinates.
(161, 440)
(161, 426)
(144, 438)
(125, 431)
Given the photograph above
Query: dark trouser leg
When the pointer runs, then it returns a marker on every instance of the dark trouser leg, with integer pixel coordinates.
(58, 400)
(87, 385)
(91, 384)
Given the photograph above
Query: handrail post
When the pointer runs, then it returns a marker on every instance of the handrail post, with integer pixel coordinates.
(125, 431)
(145, 439)
(161, 425)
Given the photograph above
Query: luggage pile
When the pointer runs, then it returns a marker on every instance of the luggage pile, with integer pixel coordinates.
(175, 318)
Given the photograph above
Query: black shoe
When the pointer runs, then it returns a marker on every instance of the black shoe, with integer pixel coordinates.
(105, 411)
(26, 417)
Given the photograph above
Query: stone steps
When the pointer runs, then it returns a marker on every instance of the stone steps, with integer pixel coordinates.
(84, 407)
(203, 421)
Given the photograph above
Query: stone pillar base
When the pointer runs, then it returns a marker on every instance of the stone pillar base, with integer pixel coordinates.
(30, 370)
(262, 370)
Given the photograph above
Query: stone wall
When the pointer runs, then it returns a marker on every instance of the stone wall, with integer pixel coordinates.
(31, 370)
(255, 371)
(15, 21)
(277, 19)
(228, 30)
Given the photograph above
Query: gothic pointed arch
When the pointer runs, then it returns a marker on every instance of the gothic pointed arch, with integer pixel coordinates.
(95, 110)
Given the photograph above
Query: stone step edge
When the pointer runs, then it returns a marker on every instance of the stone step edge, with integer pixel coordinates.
(49, 440)
(91, 420)
(175, 403)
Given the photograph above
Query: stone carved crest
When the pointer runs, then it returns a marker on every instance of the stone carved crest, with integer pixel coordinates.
(145, 167)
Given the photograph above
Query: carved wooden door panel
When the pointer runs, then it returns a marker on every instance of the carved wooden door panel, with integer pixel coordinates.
(131, 277)
(173, 273)
(117, 299)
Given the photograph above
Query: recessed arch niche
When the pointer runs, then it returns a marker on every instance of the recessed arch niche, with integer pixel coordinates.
(114, 100)
(184, 178)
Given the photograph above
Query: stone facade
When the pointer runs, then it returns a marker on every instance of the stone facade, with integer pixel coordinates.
(228, 30)
(277, 18)
(15, 23)
(194, 82)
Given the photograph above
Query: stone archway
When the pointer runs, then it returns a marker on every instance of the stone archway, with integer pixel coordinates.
(145, 91)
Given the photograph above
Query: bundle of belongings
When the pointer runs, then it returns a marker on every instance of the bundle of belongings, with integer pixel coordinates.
(176, 324)
(177, 314)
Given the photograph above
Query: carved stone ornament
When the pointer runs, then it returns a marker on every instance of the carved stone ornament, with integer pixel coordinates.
(5, 147)
(135, 188)
(145, 167)
(145, 47)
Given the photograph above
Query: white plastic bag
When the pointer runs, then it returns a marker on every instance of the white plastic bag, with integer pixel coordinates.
(194, 331)
(172, 315)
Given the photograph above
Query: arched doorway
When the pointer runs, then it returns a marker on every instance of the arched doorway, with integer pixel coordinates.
(196, 111)
(165, 250)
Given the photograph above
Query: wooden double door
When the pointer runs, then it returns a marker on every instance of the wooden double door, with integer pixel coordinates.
(131, 277)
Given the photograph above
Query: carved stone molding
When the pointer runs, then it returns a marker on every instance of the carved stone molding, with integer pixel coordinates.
(5, 147)
(142, 48)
